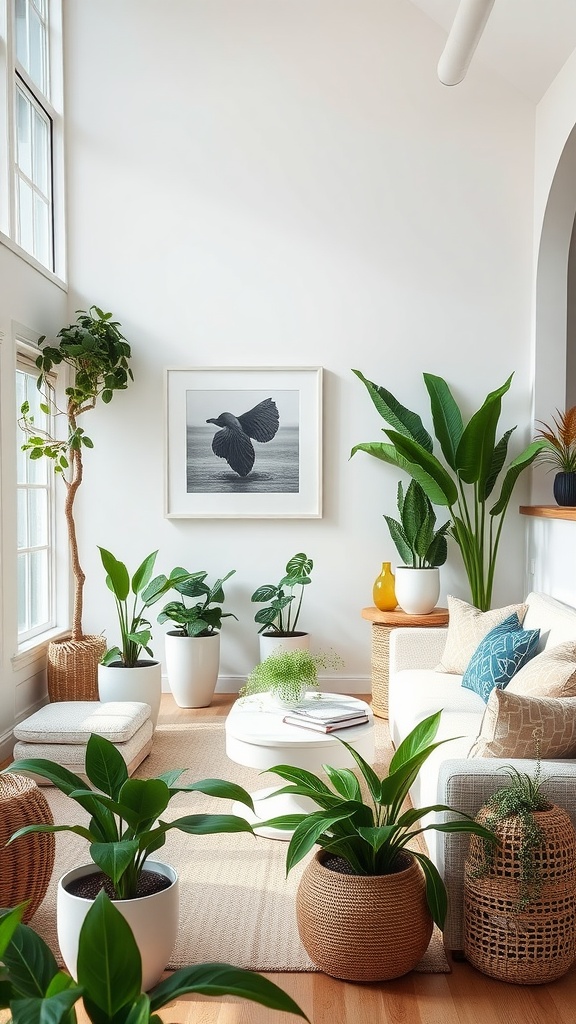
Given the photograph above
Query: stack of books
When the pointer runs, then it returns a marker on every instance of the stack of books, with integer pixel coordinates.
(325, 719)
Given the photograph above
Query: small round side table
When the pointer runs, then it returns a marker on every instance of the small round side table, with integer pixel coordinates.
(382, 625)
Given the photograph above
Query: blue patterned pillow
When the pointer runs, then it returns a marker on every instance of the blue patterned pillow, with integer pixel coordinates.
(502, 652)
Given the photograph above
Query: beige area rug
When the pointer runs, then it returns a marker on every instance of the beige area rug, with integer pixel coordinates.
(236, 904)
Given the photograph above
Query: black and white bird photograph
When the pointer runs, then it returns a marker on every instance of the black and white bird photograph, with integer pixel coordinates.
(242, 441)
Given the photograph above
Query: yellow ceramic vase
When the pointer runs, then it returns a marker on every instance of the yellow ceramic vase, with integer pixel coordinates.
(383, 591)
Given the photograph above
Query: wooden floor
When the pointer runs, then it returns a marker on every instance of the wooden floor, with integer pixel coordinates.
(463, 997)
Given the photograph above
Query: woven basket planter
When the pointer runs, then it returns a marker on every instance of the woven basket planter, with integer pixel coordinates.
(531, 946)
(26, 865)
(363, 928)
(73, 668)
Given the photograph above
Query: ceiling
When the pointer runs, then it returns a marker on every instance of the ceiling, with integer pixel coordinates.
(526, 42)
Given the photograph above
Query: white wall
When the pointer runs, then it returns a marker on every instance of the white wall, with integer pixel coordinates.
(287, 183)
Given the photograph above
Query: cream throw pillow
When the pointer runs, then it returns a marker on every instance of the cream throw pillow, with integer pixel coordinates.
(467, 626)
(511, 721)
(550, 674)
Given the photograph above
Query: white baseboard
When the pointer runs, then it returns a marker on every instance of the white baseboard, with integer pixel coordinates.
(336, 684)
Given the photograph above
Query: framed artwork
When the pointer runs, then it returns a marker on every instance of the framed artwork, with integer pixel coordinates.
(244, 442)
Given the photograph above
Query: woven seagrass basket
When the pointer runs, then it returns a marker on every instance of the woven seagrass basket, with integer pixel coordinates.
(26, 865)
(526, 946)
(363, 928)
(73, 668)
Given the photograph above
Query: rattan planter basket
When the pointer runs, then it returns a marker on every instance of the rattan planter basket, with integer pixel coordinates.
(363, 928)
(73, 668)
(26, 865)
(531, 946)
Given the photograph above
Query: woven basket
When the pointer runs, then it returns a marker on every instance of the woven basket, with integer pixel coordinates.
(363, 928)
(380, 666)
(26, 865)
(73, 668)
(531, 946)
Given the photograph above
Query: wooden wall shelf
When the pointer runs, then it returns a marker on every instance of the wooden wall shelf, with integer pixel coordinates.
(549, 511)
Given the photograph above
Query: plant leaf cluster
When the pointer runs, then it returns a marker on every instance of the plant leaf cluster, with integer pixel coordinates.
(109, 976)
(464, 482)
(370, 834)
(281, 615)
(203, 618)
(417, 542)
(125, 825)
(560, 441)
(287, 672)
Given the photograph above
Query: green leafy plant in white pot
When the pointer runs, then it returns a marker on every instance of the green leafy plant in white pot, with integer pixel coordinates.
(126, 828)
(123, 674)
(278, 620)
(109, 976)
(193, 646)
(288, 675)
(421, 547)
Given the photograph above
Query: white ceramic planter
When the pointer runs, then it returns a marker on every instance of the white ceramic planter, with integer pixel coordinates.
(143, 683)
(153, 920)
(192, 664)
(271, 642)
(417, 590)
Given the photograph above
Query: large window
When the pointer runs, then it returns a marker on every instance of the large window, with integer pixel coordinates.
(35, 489)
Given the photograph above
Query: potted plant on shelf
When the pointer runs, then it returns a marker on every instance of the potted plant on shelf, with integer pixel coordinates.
(559, 452)
(287, 675)
(97, 355)
(366, 903)
(193, 646)
(122, 673)
(278, 621)
(109, 975)
(421, 548)
(125, 829)
(474, 460)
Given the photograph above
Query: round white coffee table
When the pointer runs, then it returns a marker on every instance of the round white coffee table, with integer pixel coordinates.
(257, 737)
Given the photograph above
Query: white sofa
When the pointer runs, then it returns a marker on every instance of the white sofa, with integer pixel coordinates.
(449, 777)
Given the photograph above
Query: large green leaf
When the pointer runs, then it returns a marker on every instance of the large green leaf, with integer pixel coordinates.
(117, 577)
(143, 573)
(372, 780)
(475, 452)
(520, 463)
(300, 776)
(387, 453)
(344, 782)
(435, 889)
(115, 858)
(105, 766)
(109, 961)
(218, 788)
(399, 539)
(445, 491)
(65, 780)
(309, 830)
(446, 417)
(143, 800)
(9, 921)
(49, 1010)
(214, 979)
(209, 824)
(498, 460)
(396, 414)
(417, 740)
(30, 962)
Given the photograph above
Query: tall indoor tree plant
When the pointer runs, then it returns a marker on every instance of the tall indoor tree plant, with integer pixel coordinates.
(464, 482)
(97, 356)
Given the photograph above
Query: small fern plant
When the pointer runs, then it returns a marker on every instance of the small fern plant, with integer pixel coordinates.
(520, 799)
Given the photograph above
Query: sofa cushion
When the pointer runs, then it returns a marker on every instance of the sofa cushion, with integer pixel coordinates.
(522, 727)
(550, 674)
(467, 626)
(499, 655)
(555, 620)
(73, 721)
(416, 693)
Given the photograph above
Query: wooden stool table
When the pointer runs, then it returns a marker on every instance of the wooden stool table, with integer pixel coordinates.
(382, 625)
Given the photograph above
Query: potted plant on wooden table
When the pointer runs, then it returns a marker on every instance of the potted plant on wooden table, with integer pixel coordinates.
(193, 646)
(122, 673)
(366, 903)
(473, 460)
(278, 621)
(421, 548)
(559, 452)
(124, 831)
(109, 975)
(97, 355)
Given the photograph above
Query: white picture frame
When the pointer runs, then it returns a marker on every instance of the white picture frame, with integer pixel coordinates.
(268, 415)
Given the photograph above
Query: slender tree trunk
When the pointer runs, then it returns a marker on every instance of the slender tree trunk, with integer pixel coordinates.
(72, 486)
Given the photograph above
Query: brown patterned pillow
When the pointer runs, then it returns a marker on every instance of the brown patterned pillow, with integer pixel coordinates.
(512, 723)
(467, 626)
(550, 674)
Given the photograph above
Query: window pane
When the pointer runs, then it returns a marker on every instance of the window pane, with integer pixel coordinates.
(37, 518)
(21, 33)
(22, 593)
(22, 519)
(40, 151)
(39, 593)
(25, 216)
(41, 230)
(37, 68)
(23, 134)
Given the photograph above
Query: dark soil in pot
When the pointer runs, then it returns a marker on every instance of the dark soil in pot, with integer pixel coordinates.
(87, 887)
(342, 866)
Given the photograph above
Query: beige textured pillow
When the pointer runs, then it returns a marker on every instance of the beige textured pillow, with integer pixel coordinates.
(467, 626)
(511, 719)
(550, 674)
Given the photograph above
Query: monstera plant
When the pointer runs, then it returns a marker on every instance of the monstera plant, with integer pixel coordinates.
(464, 481)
